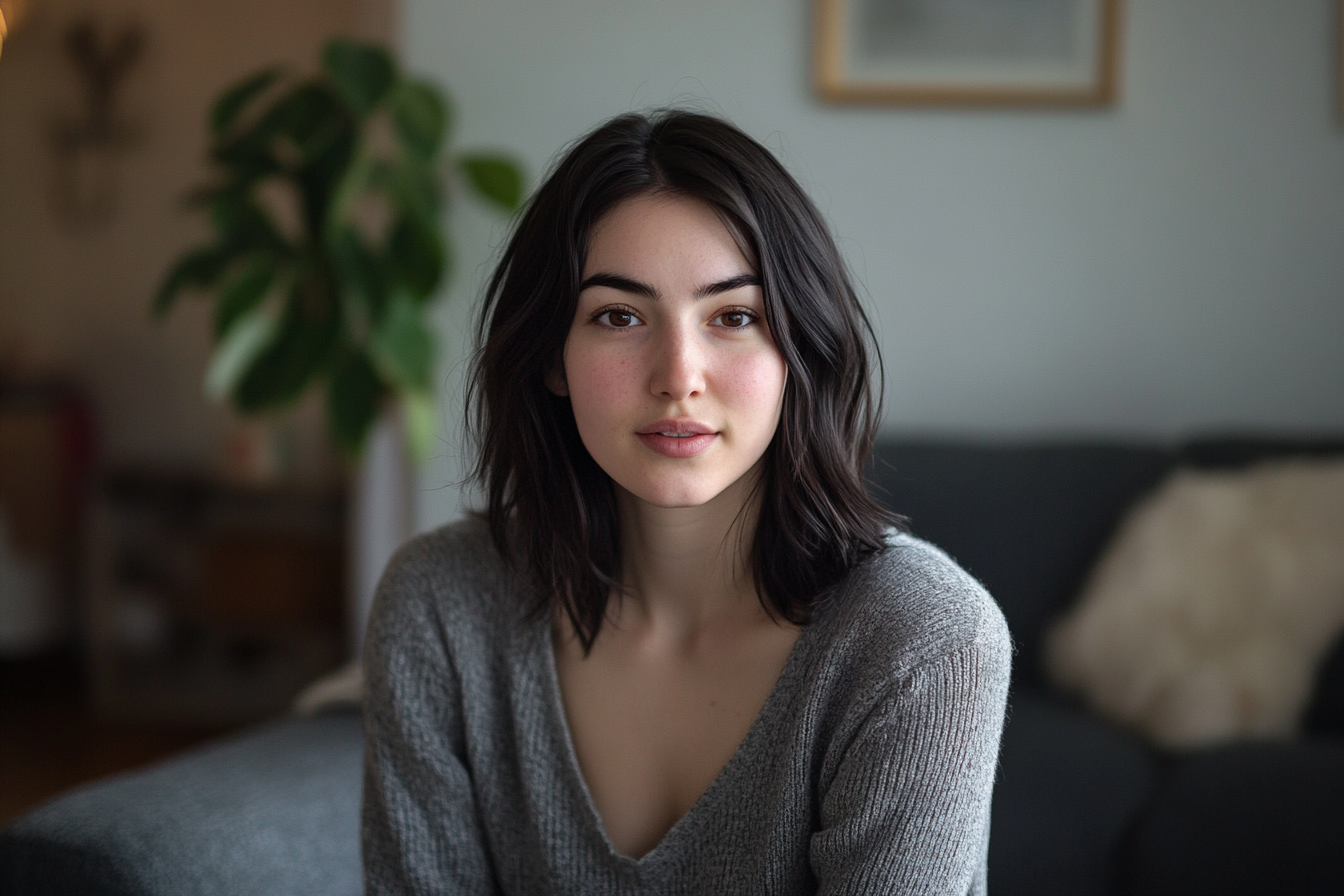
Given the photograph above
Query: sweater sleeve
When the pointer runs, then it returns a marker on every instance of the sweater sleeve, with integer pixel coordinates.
(421, 830)
(908, 808)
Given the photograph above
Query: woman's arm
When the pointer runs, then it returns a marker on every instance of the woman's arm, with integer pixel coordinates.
(421, 831)
(908, 808)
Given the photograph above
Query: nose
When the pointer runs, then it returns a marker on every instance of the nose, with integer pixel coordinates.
(678, 370)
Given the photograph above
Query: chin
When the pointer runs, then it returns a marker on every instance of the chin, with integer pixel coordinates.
(673, 491)
(675, 497)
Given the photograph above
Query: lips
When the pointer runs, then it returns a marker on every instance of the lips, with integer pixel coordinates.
(677, 438)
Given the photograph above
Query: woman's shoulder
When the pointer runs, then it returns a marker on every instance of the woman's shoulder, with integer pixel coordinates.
(910, 604)
(464, 545)
(449, 578)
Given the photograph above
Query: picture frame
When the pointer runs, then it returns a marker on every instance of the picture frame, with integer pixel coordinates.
(967, 52)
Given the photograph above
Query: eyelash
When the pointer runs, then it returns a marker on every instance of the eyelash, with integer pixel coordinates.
(614, 309)
(751, 316)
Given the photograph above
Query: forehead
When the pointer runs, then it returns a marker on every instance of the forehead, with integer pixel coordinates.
(662, 232)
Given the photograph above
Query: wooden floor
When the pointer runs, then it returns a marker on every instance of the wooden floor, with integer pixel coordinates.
(50, 741)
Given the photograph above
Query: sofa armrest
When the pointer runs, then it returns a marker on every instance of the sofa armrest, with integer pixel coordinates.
(1070, 787)
(274, 810)
(1246, 818)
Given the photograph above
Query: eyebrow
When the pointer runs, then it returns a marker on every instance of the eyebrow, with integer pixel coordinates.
(622, 284)
(731, 283)
(634, 287)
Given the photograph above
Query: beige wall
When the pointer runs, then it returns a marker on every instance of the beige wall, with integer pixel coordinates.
(75, 299)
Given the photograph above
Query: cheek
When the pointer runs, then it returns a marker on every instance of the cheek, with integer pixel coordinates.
(753, 387)
(598, 383)
(757, 381)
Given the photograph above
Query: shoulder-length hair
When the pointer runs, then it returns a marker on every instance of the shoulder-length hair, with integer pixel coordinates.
(551, 508)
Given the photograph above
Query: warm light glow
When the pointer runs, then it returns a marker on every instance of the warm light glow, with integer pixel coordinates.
(12, 13)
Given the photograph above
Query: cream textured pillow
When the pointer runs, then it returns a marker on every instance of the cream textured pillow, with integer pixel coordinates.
(1208, 615)
(342, 689)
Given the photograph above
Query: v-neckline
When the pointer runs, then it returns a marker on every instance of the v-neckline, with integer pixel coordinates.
(571, 757)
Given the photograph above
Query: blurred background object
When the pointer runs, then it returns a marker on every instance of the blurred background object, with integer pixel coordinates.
(86, 145)
(205, 563)
(12, 13)
(46, 452)
(327, 249)
(166, 572)
(211, 603)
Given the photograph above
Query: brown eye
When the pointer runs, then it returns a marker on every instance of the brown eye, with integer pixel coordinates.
(617, 318)
(734, 320)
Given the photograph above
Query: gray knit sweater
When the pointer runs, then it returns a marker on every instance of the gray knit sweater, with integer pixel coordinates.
(868, 770)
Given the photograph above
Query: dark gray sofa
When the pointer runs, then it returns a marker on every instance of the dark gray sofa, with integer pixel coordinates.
(1080, 807)
(273, 811)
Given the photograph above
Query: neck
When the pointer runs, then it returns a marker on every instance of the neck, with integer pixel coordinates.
(685, 567)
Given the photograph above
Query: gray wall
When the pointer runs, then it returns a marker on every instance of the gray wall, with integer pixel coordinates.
(1174, 263)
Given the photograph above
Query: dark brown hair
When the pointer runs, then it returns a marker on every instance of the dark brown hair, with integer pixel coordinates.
(551, 508)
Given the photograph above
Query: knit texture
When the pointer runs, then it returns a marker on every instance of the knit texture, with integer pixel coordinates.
(869, 769)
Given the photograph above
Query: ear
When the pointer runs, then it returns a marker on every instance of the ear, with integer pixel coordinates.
(555, 381)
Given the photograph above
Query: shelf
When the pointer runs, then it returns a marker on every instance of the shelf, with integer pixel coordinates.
(210, 603)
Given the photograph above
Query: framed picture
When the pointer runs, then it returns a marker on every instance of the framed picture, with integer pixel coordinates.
(967, 52)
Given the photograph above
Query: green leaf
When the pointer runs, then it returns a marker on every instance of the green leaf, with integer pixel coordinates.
(362, 73)
(198, 269)
(320, 182)
(293, 129)
(247, 154)
(332, 144)
(357, 272)
(243, 226)
(403, 347)
(231, 104)
(312, 118)
(245, 163)
(420, 421)
(352, 403)
(415, 255)
(228, 208)
(411, 185)
(353, 182)
(243, 295)
(495, 178)
(303, 345)
(235, 353)
(420, 115)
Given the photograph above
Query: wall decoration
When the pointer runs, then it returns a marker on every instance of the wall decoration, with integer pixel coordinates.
(86, 145)
(967, 52)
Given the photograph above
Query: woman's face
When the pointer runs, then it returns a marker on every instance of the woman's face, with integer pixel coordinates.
(675, 383)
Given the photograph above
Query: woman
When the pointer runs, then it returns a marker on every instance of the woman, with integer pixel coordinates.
(683, 651)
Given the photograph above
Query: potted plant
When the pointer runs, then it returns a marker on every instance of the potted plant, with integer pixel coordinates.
(327, 244)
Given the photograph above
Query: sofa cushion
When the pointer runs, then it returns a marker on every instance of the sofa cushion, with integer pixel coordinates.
(275, 810)
(1208, 616)
(1246, 819)
(1026, 520)
(1069, 787)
